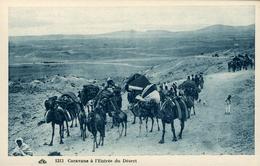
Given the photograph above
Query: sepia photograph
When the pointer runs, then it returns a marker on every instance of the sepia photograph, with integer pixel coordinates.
(131, 80)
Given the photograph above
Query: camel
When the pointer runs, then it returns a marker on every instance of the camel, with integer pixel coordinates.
(56, 115)
(95, 124)
(145, 111)
(82, 122)
(120, 118)
(168, 113)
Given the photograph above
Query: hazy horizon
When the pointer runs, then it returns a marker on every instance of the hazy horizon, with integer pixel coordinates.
(128, 31)
(100, 20)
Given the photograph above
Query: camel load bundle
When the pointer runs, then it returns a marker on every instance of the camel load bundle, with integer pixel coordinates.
(68, 97)
(90, 89)
(136, 82)
(134, 85)
(149, 93)
(141, 89)
(187, 84)
(190, 89)
(88, 93)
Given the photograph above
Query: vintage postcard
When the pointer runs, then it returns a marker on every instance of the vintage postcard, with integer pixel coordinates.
(129, 82)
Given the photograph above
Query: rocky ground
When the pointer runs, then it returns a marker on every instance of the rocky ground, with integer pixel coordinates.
(209, 132)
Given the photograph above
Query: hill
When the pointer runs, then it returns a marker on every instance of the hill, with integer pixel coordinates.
(129, 44)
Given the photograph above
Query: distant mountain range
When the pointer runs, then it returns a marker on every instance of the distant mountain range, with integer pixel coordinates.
(126, 44)
(214, 29)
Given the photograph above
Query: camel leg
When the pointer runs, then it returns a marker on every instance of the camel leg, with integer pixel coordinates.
(68, 132)
(112, 123)
(84, 133)
(158, 124)
(81, 130)
(152, 125)
(173, 131)
(61, 126)
(94, 142)
(194, 110)
(134, 120)
(182, 127)
(102, 141)
(100, 137)
(125, 127)
(163, 133)
(140, 126)
(103, 135)
(63, 130)
(105, 118)
(146, 125)
(72, 119)
(96, 137)
(53, 130)
(118, 130)
(189, 113)
(76, 121)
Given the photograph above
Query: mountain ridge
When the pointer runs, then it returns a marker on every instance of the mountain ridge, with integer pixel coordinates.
(147, 33)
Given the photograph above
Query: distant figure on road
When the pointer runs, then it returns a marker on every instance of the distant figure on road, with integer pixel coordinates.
(228, 104)
(22, 149)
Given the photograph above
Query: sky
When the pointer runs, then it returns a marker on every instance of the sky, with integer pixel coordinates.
(98, 20)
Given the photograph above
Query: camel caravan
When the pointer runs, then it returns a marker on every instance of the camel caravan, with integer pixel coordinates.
(240, 62)
(161, 102)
